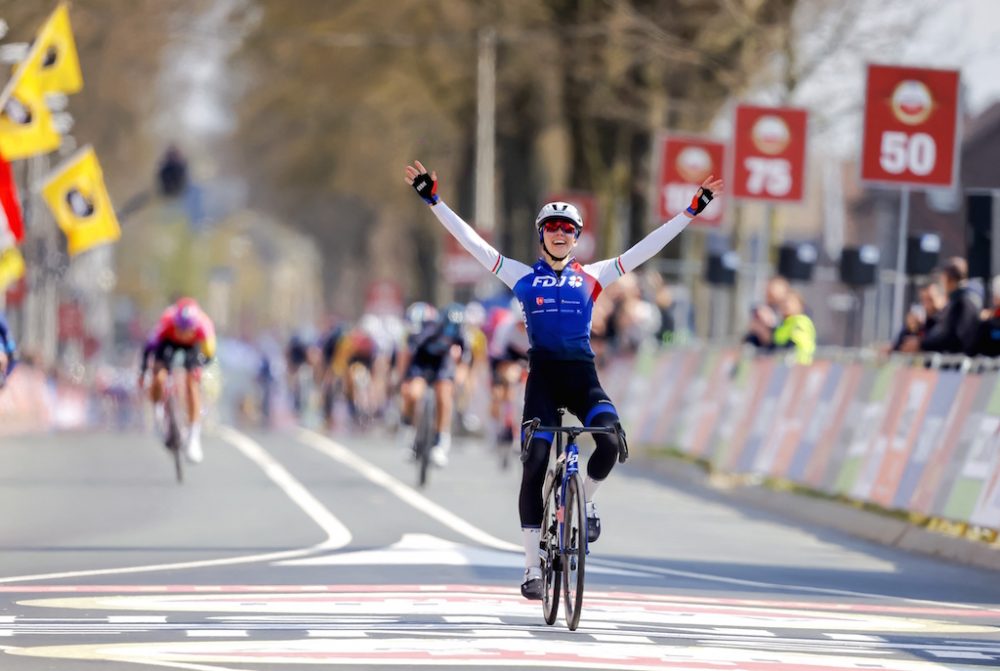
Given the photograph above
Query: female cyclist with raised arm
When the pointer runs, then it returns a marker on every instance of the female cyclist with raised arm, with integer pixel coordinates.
(557, 294)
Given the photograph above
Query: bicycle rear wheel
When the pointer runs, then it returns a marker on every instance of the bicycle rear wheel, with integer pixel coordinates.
(574, 547)
(551, 564)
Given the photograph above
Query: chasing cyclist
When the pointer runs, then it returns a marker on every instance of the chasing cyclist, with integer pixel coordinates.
(557, 295)
(434, 348)
(183, 328)
(508, 349)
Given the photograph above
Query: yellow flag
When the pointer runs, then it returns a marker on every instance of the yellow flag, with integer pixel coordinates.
(79, 201)
(26, 127)
(53, 58)
(11, 267)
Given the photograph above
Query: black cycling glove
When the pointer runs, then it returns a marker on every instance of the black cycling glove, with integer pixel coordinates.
(700, 201)
(426, 188)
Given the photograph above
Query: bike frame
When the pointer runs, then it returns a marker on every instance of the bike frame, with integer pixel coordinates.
(569, 456)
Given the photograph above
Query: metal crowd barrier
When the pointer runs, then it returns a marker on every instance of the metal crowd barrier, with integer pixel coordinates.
(917, 434)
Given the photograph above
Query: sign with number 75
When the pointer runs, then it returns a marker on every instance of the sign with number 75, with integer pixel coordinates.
(769, 153)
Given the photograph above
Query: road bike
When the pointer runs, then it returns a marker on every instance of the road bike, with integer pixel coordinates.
(424, 439)
(175, 435)
(563, 544)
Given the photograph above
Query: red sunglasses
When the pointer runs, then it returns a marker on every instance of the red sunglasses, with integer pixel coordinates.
(553, 225)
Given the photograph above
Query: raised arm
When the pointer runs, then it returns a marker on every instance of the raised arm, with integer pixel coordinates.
(609, 270)
(508, 270)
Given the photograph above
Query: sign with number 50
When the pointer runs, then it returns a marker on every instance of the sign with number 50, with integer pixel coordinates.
(770, 153)
(911, 124)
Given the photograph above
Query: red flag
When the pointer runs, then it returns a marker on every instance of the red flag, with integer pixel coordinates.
(10, 212)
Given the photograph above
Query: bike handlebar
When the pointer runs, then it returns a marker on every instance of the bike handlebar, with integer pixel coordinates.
(535, 425)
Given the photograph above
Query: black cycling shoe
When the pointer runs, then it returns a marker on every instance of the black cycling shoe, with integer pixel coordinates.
(533, 586)
(593, 523)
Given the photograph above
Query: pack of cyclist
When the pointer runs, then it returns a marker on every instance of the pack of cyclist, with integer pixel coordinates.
(541, 341)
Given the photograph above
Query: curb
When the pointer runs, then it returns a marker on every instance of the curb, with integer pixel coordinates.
(872, 526)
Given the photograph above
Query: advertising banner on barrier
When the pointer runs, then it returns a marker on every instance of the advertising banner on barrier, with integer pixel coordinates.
(701, 415)
(974, 454)
(763, 369)
(865, 424)
(929, 436)
(666, 378)
(766, 413)
(987, 510)
(900, 438)
(690, 360)
(820, 415)
(827, 456)
(928, 491)
(794, 416)
(737, 397)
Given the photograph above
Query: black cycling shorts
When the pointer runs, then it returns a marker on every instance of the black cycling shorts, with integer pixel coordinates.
(165, 351)
(431, 368)
(564, 384)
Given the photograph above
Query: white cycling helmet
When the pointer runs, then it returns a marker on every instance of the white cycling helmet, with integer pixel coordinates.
(559, 210)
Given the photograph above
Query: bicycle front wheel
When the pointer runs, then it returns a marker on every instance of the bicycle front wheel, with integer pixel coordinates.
(551, 576)
(425, 437)
(174, 440)
(574, 547)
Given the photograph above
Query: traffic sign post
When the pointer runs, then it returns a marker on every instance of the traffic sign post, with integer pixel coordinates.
(910, 141)
(769, 164)
(685, 162)
(769, 153)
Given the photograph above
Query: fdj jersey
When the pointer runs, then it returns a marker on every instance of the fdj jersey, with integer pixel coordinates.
(558, 308)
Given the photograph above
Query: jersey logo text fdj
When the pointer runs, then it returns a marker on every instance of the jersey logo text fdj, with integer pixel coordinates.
(574, 281)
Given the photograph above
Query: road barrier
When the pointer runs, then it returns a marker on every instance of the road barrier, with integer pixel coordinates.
(29, 402)
(916, 435)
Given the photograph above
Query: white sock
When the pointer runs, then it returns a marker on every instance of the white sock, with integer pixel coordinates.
(196, 430)
(590, 486)
(532, 537)
(444, 441)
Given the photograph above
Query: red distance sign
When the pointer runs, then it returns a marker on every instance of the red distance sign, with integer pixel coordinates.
(685, 162)
(911, 124)
(770, 153)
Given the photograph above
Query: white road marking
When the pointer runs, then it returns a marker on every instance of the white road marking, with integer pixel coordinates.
(427, 550)
(137, 619)
(217, 633)
(337, 535)
(373, 473)
(739, 631)
(956, 654)
(855, 637)
(376, 475)
(620, 638)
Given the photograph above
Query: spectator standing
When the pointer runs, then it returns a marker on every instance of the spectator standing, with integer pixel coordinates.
(957, 329)
(921, 319)
(796, 329)
(989, 328)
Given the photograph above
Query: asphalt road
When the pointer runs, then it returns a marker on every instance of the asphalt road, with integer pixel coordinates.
(291, 550)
